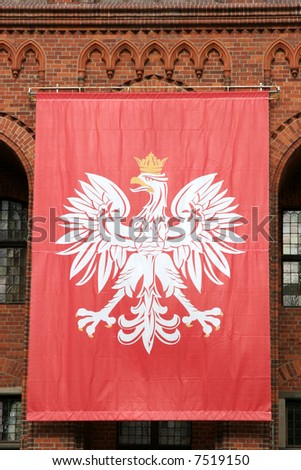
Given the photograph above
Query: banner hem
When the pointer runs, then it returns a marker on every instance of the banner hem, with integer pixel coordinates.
(149, 416)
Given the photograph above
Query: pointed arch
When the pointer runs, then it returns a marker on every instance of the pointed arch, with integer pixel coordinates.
(20, 139)
(85, 56)
(175, 53)
(224, 57)
(150, 47)
(21, 56)
(297, 57)
(119, 49)
(11, 53)
(285, 189)
(269, 56)
(285, 140)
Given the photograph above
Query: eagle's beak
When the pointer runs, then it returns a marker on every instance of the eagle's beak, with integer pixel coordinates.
(141, 183)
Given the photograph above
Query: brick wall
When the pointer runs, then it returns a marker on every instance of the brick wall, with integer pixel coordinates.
(91, 54)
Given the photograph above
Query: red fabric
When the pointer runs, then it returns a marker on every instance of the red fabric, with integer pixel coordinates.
(222, 377)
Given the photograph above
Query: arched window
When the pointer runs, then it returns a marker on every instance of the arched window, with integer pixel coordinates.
(13, 226)
(289, 317)
(290, 204)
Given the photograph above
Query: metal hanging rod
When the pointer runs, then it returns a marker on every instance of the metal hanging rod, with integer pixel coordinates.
(273, 89)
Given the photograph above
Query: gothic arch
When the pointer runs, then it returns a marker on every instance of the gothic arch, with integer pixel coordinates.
(85, 56)
(150, 47)
(284, 141)
(269, 56)
(175, 52)
(21, 56)
(22, 143)
(9, 48)
(117, 51)
(297, 57)
(224, 56)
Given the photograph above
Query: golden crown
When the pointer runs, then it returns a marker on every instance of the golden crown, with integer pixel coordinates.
(151, 164)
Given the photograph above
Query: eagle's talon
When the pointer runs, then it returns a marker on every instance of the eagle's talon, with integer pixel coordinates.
(89, 320)
(208, 319)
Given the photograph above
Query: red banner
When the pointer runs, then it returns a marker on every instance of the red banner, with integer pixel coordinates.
(150, 295)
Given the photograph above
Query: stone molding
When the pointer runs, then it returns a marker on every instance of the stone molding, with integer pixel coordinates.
(112, 15)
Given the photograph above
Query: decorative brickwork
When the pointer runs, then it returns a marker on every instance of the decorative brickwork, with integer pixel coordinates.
(223, 55)
(166, 57)
(17, 57)
(279, 45)
(290, 370)
(85, 57)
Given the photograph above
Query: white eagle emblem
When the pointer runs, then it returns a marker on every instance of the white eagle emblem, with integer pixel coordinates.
(151, 258)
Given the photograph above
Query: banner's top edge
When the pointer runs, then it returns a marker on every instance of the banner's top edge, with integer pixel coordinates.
(151, 96)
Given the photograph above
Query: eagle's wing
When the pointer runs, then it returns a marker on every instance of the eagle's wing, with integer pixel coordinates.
(204, 230)
(99, 241)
